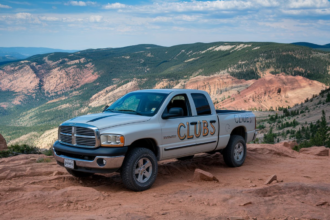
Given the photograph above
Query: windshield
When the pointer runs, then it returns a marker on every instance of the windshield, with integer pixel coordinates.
(138, 103)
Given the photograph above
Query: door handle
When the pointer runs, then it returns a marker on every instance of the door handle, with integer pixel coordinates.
(213, 121)
(193, 123)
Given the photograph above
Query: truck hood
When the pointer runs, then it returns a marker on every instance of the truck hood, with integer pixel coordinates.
(107, 120)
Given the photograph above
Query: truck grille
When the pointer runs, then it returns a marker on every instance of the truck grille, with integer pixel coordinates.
(77, 136)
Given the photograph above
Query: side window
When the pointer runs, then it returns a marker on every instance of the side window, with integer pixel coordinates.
(180, 101)
(201, 103)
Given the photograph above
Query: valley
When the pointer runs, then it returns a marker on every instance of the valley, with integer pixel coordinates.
(39, 93)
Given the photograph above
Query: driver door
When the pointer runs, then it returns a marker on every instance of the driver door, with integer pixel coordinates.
(178, 137)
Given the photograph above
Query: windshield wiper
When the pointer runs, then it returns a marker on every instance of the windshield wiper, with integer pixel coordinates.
(128, 110)
(108, 110)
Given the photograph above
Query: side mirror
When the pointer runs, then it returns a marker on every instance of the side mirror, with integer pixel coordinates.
(173, 112)
(105, 107)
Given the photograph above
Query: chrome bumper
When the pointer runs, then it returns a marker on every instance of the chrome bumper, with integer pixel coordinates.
(110, 162)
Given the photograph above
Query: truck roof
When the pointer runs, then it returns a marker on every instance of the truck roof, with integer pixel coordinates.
(168, 91)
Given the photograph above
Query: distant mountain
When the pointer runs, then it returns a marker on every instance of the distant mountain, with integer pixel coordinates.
(8, 54)
(42, 91)
(325, 47)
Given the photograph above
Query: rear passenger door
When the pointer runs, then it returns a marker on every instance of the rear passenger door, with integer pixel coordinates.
(208, 121)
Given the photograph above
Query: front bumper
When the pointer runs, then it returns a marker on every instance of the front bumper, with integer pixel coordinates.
(99, 160)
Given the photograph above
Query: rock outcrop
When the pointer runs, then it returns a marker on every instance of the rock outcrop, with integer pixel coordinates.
(273, 90)
(271, 179)
(317, 151)
(290, 144)
(3, 144)
(201, 175)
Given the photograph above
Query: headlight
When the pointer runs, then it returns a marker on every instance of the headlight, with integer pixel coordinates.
(112, 140)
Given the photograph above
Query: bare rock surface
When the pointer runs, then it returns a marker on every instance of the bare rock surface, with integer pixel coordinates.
(273, 90)
(271, 179)
(273, 149)
(290, 144)
(31, 190)
(3, 143)
(317, 151)
(201, 175)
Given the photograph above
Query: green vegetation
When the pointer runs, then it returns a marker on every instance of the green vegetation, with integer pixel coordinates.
(43, 160)
(18, 149)
(14, 150)
(319, 134)
(307, 135)
(328, 98)
(270, 136)
(150, 64)
(287, 124)
(261, 126)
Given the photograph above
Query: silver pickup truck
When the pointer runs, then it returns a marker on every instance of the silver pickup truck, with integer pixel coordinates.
(147, 126)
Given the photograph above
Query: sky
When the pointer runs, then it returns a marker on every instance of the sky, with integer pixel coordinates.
(80, 25)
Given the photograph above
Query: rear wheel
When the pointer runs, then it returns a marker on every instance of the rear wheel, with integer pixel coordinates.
(186, 158)
(79, 174)
(139, 170)
(235, 152)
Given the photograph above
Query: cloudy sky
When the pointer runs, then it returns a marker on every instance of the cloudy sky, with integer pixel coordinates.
(111, 23)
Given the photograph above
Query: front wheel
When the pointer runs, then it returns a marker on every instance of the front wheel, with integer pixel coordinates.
(139, 170)
(235, 152)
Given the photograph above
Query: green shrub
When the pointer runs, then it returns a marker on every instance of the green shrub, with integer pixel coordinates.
(48, 152)
(18, 149)
(261, 126)
(43, 160)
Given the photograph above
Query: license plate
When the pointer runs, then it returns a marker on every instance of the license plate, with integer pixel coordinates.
(68, 163)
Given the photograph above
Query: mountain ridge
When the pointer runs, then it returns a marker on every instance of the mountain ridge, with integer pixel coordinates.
(325, 47)
(42, 91)
(10, 54)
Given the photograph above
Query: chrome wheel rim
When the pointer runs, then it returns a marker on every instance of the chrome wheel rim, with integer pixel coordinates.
(143, 170)
(238, 152)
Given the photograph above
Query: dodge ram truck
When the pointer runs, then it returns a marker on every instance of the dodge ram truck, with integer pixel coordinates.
(147, 126)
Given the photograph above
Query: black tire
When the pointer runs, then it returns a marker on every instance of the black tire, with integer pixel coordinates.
(131, 164)
(79, 174)
(229, 152)
(185, 158)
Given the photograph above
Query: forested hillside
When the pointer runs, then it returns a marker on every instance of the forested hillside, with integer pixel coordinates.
(39, 93)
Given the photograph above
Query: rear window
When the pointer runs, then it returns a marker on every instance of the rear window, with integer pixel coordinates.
(201, 103)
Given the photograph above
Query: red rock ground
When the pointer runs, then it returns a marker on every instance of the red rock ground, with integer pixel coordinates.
(30, 190)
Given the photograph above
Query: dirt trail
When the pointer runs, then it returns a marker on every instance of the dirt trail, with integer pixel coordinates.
(31, 190)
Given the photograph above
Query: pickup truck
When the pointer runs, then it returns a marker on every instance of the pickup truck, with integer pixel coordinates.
(147, 126)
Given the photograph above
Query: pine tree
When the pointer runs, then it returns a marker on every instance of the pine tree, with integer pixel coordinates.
(322, 138)
(328, 98)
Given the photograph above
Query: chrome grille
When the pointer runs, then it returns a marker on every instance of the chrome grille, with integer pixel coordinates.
(78, 136)
(66, 129)
(65, 139)
(85, 141)
(85, 131)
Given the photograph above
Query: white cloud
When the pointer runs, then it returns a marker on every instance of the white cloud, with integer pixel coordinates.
(190, 20)
(4, 6)
(116, 5)
(186, 6)
(45, 18)
(80, 3)
(308, 3)
(95, 18)
(23, 16)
